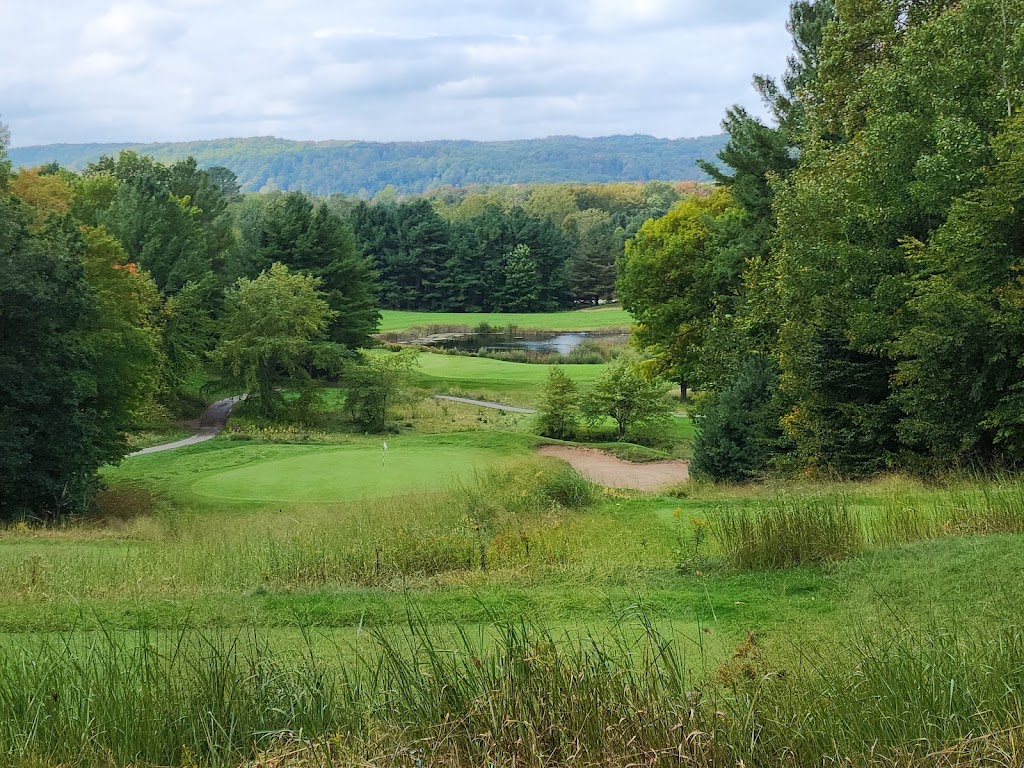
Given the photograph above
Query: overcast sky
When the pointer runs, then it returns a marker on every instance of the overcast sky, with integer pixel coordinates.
(173, 70)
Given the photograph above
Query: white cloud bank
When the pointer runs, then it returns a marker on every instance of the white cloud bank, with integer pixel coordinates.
(379, 69)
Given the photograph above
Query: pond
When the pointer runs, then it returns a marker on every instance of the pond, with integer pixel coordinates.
(561, 343)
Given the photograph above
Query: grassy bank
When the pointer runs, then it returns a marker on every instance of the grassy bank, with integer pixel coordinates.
(481, 377)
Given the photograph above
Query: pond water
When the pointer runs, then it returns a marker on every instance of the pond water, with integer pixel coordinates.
(562, 343)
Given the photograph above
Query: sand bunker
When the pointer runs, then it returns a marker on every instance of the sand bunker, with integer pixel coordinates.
(609, 471)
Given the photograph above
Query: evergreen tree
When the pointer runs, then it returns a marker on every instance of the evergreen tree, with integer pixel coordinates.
(559, 412)
(739, 430)
(312, 239)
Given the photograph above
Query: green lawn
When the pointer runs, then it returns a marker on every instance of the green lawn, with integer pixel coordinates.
(576, 320)
(265, 473)
(517, 383)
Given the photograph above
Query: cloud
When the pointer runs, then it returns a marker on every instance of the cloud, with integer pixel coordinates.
(381, 69)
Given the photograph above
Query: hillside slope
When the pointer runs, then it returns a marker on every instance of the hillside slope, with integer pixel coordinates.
(358, 167)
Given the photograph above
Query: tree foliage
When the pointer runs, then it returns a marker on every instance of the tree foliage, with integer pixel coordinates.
(739, 430)
(312, 239)
(274, 335)
(671, 280)
(624, 394)
(559, 412)
(873, 254)
(374, 383)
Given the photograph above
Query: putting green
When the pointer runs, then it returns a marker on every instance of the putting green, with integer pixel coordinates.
(346, 473)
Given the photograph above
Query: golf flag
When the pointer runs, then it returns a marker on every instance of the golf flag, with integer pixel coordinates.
(384, 453)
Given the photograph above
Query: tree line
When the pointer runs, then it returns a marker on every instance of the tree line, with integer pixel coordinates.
(504, 249)
(850, 299)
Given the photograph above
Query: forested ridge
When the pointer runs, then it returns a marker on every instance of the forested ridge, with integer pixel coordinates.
(364, 168)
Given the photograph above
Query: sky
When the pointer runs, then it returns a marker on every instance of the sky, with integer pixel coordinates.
(76, 71)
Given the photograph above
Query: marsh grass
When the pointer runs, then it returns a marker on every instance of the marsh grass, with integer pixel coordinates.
(514, 695)
(789, 532)
(827, 526)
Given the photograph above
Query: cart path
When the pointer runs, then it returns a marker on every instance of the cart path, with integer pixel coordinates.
(485, 404)
(605, 469)
(211, 424)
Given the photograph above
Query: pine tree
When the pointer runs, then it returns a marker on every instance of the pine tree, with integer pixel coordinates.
(559, 411)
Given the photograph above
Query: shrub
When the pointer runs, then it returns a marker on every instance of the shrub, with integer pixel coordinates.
(739, 430)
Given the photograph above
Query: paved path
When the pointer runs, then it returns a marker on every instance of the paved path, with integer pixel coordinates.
(211, 423)
(509, 408)
(485, 404)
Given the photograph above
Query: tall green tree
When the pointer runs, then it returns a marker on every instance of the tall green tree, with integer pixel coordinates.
(520, 290)
(960, 375)
(53, 438)
(274, 335)
(373, 383)
(597, 245)
(292, 230)
(559, 413)
(671, 279)
(916, 93)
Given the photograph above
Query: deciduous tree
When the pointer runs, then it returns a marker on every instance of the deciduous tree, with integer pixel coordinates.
(623, 393)
(274, 334)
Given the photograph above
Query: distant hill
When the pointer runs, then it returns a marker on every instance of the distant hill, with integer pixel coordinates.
(364, 168)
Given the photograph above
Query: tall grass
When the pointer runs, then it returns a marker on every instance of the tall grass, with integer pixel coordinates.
(785, 531)
(789, 532)
(522, 696)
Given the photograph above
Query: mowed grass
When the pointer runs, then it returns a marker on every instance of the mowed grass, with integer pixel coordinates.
(592, 319)
(347, 472)
(518, 383)
(238, 472)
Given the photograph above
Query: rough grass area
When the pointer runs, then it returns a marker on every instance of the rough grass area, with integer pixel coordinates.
(246, 602)
(592, 319)
(150, 437)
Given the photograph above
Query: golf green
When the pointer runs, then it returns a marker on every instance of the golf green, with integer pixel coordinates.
(346, 473)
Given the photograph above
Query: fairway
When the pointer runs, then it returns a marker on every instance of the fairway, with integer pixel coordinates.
(575, 320)
(521, 381)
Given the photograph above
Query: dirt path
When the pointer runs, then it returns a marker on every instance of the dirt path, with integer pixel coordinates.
(609, 471)
(211, 424)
